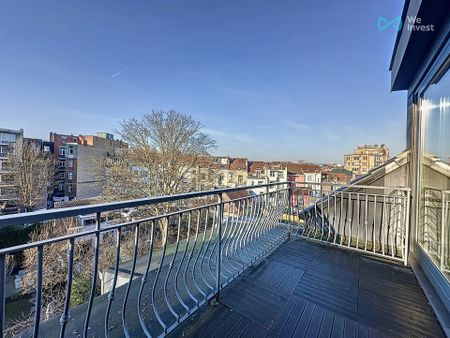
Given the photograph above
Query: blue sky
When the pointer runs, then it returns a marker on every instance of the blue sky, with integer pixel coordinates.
(271, 80)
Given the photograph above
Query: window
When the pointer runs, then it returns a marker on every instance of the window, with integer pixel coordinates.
(62, 151)
(4, 150)
(69, 189)
(71, 150)
(61, 186)
(433, 232)
(240, 179)
(61, 176)
(70, 175)
(62, 164)
(70, 163)
(6, 137)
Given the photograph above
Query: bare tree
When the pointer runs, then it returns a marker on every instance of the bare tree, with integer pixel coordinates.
(54, 282)
(33, 173)
(163, 148)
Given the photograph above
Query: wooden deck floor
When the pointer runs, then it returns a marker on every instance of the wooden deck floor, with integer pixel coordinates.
(306, 289)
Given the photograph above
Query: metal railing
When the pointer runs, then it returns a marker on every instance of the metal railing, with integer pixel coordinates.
(434, 226)
(176, 261)
(370, 219)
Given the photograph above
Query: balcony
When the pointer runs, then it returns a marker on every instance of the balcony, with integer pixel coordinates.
(282, 263)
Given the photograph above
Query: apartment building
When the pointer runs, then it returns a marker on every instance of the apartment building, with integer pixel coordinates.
(335, 177)
(9, 139)
(205, 174)
(306, 179)
(365, 158)
(256, 175)
(237, 172)
(276, 172)
(78, 158)
(223, 171)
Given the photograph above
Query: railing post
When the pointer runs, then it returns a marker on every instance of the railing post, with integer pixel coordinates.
(407, 227)
(442, 253)
(289, 209)
(219, 245)
(2, 293)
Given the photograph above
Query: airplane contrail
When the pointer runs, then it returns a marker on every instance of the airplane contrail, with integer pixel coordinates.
(119, 72)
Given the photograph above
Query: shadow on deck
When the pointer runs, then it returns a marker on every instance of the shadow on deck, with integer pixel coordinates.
(306, 289)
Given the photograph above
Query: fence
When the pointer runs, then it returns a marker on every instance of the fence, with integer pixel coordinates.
(365, 218)
(148, 274)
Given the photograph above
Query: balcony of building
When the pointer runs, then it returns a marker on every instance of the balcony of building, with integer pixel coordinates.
(231, 263)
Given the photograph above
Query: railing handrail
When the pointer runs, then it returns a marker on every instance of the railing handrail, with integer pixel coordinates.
(347, 186)
(112, 227)
(52, 214)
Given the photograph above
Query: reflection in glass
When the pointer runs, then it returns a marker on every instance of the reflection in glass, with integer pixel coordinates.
(434, 221)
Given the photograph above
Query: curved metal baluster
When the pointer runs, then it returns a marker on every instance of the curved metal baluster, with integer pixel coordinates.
(116, 272)
(262, 224)
(189, 261)
(187, 264)
(202, 275)
(94, 275)
(37, 315)
(257, 240)
(251, 224)
(158, 273)
(269, 220)
(226, 237)
(244, 216)
(251, 245)
(144, 281)
(199, 252)
(166, 298)
(127, 292)
(229, 249)
(243, 233)
(255, 224)
(271, 230)
(248, 222)
(255, 219)
(172, 262)
(216, 243)
(264, 221)
(65, 316)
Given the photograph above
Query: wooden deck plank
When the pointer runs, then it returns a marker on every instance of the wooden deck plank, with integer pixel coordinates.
(305, 289)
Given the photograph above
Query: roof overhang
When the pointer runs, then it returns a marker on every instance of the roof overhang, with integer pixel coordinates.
(411, 46)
